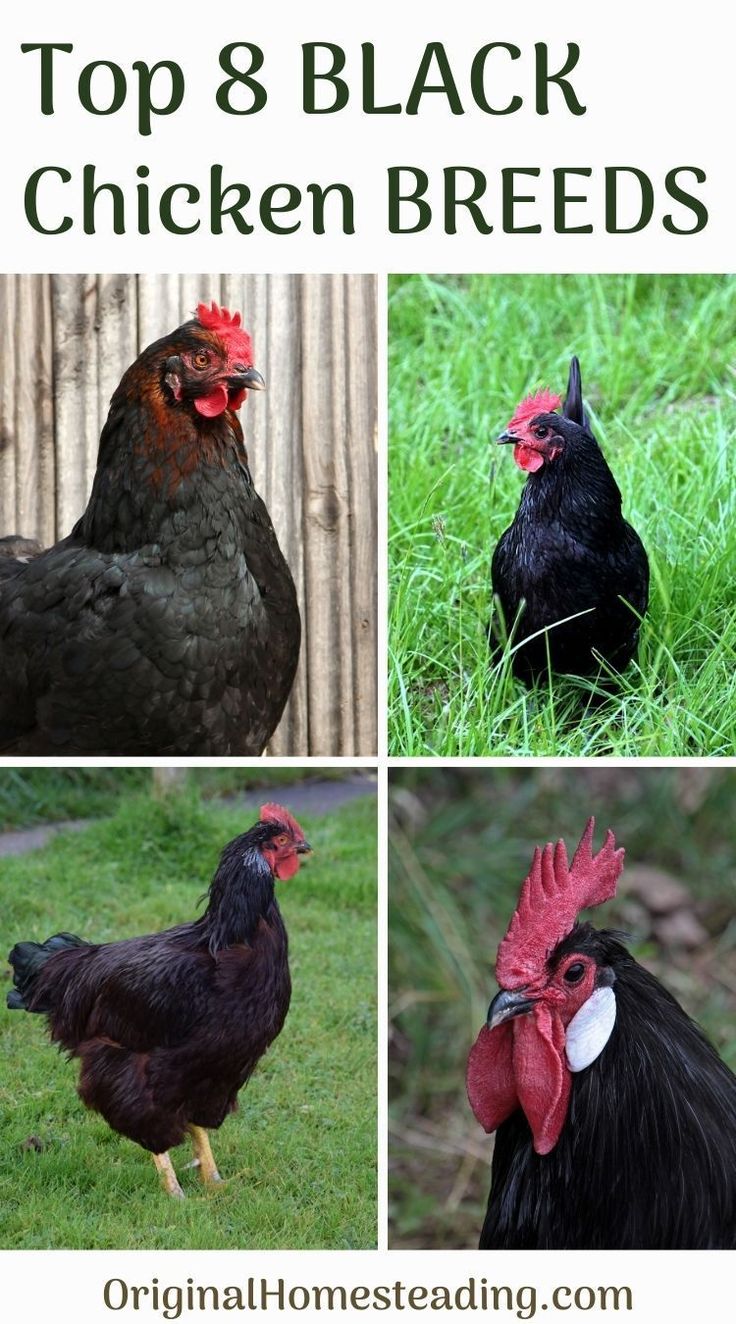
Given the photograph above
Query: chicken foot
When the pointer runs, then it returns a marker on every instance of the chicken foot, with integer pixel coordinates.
(204, 1159)
(169, 1180)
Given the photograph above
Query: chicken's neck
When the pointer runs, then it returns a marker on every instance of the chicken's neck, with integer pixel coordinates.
(166, 480)
(241, 895)
(577, 491)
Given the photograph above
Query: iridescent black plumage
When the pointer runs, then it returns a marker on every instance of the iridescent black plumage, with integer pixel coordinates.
(570, 551)
(168, 1027)
(167, 622)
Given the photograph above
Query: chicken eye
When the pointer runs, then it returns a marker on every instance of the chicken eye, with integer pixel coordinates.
(574, 973)
(281, 840)
(201, 359)
(541, 432)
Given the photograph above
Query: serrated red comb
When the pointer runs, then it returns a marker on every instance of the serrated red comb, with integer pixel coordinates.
(271, 813)
(215, 318)
(551, 897)
(544, 402)
(229, 326)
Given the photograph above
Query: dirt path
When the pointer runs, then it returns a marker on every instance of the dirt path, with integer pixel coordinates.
(28, 839)
(311, 797)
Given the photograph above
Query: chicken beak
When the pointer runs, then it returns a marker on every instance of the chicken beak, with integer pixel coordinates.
(506, 439)
(507, 1005)
(303, 848)
(249, 380)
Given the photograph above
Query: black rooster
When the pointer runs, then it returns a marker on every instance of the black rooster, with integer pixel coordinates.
(569, 552)
(167, 621)
(170, 1026)
(615, 1118)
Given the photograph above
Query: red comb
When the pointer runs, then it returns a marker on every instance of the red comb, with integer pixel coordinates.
(228, 325)
(216, 318)
(544, 402)
(272, 813)
(551, 897)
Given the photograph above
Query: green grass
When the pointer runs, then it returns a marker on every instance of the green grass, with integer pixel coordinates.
(299, 1157)
(47, 795)
(657, 356)
(461, 843)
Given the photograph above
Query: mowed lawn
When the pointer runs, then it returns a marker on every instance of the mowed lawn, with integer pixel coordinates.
(657, 356)
(299, 1157)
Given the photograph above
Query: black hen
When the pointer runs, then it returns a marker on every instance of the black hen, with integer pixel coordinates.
(615, 1118)
(569, 550)
(168, 1027)
(167, 622)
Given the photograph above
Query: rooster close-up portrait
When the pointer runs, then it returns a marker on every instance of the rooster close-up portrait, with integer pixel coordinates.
(167, 616)
(587, 1066)
(603, 1068)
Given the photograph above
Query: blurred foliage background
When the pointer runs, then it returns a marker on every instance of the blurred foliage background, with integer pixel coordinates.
(461, 842)
(48, 795)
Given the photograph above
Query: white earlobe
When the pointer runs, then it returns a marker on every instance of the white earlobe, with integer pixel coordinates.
(590, 1029)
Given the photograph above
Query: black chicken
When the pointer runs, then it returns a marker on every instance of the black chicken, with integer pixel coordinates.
(169, 1027)
(569, 550)
(615, 1118)
(167, 622)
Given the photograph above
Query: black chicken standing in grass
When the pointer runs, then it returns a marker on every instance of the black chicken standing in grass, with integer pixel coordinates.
(169, 1027)
(569, 549)
(167, 621)
(615, 1118)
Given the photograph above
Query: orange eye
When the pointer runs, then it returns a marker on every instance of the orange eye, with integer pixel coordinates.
(281, 841)
(201, 359)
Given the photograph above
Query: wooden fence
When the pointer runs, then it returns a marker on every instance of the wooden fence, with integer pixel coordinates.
(311, 440)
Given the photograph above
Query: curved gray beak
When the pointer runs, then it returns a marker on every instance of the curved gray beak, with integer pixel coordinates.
(507, 1005)
(303, 848)
(506, 439)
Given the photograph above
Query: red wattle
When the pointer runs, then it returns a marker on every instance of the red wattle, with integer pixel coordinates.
(542, 1078)
(287, 867)
(490, 1076)
(527, 458)
(521, 1064)
(213, 404)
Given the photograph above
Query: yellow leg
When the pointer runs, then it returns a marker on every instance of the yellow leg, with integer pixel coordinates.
(165, 1169)
(203, 1155)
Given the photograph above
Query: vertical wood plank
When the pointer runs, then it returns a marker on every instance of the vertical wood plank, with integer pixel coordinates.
(116, 336)
(361, 444)
(8, 439)
(327, 514)
(74, 302)
(36, 461)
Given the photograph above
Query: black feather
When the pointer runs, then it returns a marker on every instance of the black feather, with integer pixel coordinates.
(27, 960)
(573, 407)
(647, 1157)
(571, 557)
(167, 621)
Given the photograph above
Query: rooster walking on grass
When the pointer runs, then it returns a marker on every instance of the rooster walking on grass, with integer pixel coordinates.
(167, 622)
(169, 1027)
(571, 576)
(615, 1118)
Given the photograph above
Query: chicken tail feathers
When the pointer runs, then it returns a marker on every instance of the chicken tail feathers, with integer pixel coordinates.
(573, 406)
(27, 959)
